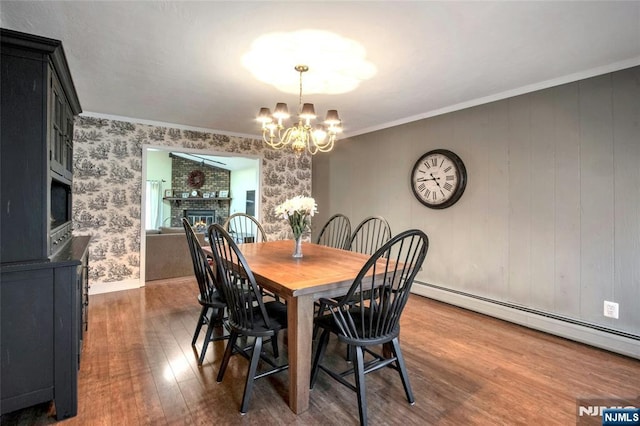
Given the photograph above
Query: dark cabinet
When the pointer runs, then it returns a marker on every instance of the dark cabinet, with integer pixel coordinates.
(37, 107)
(43, 269)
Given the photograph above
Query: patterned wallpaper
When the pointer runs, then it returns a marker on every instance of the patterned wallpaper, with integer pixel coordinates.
(108, 179)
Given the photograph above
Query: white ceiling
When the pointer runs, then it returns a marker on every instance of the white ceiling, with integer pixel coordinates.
(180, 62)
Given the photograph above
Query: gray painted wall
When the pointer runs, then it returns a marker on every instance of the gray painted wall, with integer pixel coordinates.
(550, 219)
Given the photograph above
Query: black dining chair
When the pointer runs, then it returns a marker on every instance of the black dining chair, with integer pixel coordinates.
(336, 232)
(245, 228)
(370, 235)
(249, 315)
(210, 296)
(369, 315)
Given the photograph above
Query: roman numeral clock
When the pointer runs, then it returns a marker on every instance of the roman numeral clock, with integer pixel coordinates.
(438, 179)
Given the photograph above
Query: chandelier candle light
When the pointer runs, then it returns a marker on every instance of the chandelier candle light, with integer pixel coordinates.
(298, 211)
(301, 135)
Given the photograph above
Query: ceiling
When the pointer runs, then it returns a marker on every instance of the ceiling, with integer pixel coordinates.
(180, 62)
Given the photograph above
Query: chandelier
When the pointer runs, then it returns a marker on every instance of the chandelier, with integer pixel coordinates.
(302, 135)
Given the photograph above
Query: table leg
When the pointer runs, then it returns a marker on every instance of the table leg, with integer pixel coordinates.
(300, 330)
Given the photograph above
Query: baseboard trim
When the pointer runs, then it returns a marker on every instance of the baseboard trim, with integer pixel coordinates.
(108, 287)
(625, 344)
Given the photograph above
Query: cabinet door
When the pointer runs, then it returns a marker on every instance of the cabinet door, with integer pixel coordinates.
(27, 335)
(59, 140)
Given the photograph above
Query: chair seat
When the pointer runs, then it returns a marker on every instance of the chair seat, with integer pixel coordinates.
(277, 313)
(213, 301)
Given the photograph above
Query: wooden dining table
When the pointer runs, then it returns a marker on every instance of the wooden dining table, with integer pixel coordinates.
(321, 272)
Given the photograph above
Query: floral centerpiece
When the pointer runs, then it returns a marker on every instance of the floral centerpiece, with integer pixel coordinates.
(298, 211)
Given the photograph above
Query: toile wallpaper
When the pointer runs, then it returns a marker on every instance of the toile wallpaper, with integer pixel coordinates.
(107, 185)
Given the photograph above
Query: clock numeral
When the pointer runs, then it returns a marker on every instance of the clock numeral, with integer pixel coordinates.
(447, 186)
(442, 193)
(427, 165)
(422, 187)
(450, 177)
(435, 196)
(434, 161)
(426, 193)
(447, 169)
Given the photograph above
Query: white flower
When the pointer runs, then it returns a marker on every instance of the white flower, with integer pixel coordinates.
(297, 211)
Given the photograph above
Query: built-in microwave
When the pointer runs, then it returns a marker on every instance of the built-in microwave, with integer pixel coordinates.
(60, 226)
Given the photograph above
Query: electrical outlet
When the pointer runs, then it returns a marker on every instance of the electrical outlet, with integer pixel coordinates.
(611, 309)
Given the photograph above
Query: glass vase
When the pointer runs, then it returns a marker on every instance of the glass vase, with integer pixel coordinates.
(297, 250)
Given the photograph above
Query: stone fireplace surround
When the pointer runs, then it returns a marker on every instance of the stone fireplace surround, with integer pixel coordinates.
(216, 179)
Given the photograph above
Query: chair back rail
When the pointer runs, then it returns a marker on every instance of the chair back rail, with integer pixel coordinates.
(370, 234)
(245, 228)
(336, 232)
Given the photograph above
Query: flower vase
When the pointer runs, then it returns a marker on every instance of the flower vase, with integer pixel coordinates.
(297, 251)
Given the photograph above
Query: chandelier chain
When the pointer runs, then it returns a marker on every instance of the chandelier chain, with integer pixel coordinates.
(300, 98)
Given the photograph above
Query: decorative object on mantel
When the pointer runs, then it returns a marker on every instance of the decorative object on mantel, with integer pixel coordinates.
(223, 193)
(298, 211)
(301, 135)
(196, 178)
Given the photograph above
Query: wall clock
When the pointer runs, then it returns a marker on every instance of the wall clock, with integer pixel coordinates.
(438, 179)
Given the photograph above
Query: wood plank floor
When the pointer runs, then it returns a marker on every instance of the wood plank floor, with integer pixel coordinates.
(139, 368)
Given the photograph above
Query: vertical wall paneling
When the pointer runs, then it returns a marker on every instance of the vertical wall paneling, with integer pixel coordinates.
(480, 140)
(543, 182)
(626, 145)
(320, 189)
(396, 164)
(467, 231)
(596, 195)
(566, 125)
(519, 141)
(497, 202)
(550, 220)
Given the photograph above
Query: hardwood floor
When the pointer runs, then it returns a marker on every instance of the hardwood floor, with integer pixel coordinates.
(138, 367)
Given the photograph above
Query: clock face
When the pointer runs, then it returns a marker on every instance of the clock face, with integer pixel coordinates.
(438, 179)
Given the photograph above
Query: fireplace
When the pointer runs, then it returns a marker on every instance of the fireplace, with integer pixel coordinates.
(207, 217)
